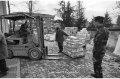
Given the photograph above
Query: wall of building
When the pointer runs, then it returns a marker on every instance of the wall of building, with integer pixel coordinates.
(4, 24)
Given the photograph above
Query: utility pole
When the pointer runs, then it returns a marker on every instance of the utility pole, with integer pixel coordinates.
(30, 12)
(8, 3)
(30, 7)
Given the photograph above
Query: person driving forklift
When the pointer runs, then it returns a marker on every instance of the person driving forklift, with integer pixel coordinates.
(24, 31)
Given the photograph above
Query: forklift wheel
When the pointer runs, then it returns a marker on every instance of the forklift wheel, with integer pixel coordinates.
(10, 54)
(35, 54)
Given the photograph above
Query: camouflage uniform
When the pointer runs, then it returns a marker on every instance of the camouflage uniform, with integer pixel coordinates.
(100, 41)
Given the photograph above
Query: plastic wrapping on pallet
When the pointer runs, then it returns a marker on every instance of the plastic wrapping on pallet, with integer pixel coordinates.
(73, 47)
(74, 53)
(49, 37)
(84, 34)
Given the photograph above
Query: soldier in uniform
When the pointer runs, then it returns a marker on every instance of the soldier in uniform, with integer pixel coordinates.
(100, 41)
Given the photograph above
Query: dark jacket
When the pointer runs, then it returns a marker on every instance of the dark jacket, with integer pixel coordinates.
(59, 37)
(3, 47)
(23, 30)
(100, 40)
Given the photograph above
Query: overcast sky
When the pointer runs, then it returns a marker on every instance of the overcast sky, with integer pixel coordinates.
(92, 7)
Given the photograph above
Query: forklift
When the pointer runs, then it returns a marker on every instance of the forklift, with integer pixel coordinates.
(33, 50)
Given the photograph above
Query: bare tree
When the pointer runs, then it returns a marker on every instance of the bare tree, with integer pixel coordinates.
(117, 14)
(118, 4)
(9, 11)
(80, 21)
(117, 9)
(10, 4)
(30, 5)
(65, 12)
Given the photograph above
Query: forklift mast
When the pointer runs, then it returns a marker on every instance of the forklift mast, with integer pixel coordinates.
(40, 32)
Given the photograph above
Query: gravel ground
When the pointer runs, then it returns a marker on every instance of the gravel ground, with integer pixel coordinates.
(68, 68)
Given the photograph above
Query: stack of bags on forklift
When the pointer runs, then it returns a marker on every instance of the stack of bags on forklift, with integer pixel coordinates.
(73, 46)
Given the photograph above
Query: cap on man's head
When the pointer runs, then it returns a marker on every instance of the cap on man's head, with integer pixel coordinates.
(57, 28)
(99, 19)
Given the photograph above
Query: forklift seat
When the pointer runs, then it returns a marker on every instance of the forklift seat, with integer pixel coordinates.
(17, 41)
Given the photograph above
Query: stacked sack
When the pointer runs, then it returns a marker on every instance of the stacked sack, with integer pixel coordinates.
(83, 34)
(73, 47)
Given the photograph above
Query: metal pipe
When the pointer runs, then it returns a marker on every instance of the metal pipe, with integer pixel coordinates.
(13, 26)
(1, 24)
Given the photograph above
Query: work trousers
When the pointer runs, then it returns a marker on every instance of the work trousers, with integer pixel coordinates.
(60, 45)
(3, 67)
(97, 64)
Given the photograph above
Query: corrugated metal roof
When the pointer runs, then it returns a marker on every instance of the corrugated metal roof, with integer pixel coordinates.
(36, 14)
(22, 15)
(17, 16)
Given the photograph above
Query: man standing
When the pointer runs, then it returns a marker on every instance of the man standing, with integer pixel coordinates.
(100, 41)
(3, 55)
(59, 38)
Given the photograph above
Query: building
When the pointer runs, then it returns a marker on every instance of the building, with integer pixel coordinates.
(3, 23)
